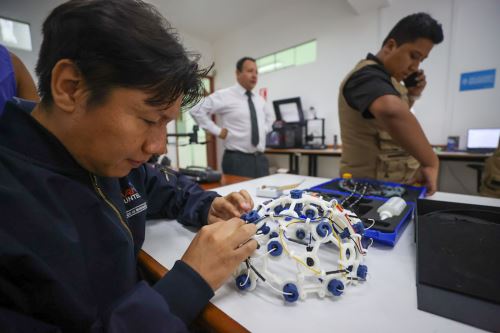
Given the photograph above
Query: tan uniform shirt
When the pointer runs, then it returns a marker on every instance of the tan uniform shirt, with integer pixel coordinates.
(368, 151)
(491, 178)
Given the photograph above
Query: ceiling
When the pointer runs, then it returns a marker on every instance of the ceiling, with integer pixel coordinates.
(211, 19)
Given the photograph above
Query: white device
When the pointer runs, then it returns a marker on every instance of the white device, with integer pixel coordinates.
(269, 192)
(392, 207)
(266, 191)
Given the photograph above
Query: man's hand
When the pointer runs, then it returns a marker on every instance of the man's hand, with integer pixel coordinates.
(223, 133)
(416, 91)
(427, 176)
(218, 248)
(232, 205)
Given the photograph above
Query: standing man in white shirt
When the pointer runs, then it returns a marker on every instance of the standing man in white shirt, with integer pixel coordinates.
(244, 122)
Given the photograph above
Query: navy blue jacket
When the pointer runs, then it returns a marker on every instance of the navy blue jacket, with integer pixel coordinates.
(69, 240)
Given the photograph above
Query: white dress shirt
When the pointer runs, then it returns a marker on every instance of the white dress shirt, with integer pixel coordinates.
(231, 107)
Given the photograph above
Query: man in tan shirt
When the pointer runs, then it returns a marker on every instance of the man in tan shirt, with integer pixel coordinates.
(381, 138)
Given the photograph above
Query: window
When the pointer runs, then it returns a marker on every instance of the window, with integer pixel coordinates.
(15, 34)
(190, 154)
(295, 56)
(193, 154)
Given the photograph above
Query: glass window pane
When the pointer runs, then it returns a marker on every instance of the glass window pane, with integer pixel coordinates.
(206, 85)
(190, 154)
(285, 58)
(305, 53)
(15, 34)
(266, 64)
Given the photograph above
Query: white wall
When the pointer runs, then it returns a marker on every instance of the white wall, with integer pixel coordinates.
(204, 48)
(475, 46)
(471, 43)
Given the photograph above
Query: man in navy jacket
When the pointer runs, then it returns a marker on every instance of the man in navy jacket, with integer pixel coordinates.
(75, 190)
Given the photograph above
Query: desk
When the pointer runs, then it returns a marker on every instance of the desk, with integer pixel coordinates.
(294, 155)
(462, 156)
(387, 302)
(312, 156)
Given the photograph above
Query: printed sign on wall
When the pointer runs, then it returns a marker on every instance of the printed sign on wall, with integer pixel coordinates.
(477, 80)
(263, 93)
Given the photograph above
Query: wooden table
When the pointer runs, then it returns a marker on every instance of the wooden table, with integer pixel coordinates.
(225, 180)
(211, 319)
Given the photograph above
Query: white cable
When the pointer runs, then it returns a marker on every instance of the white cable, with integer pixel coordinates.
(276, 289)
(264, 254)
(373, 223)
(246, 280)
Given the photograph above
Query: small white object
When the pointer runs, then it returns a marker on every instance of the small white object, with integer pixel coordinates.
(282, 170)
(392, 207)
(269, 192)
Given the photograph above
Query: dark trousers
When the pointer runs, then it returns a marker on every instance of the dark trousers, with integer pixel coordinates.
(244, 164)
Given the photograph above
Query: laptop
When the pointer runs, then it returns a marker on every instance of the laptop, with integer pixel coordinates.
(482, 140)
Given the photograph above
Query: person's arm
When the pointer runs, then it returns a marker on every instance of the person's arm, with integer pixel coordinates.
(174, 196)
(143, 309)
(26, 87)
(202, 113)
(405, 129)
(269, 118)
(221, 244)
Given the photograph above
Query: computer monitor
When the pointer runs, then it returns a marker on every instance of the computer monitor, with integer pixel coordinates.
(482, 139)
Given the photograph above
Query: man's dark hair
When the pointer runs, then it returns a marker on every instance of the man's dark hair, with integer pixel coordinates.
(412, 27)
(118, 43)
(239, 64)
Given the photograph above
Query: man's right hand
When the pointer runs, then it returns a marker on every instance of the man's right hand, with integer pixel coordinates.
(223, 133)
(427, 176)
(218, 249)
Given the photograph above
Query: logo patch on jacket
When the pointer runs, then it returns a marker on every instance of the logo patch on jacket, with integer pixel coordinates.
(133, 201)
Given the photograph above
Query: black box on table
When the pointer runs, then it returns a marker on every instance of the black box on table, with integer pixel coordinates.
(458, 262)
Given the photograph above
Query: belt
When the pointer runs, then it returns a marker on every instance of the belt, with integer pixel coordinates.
(257, 153)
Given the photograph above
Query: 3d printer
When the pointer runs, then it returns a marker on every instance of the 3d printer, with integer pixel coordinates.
(315, 133)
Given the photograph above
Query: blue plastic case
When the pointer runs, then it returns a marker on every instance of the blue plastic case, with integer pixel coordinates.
(388, 231)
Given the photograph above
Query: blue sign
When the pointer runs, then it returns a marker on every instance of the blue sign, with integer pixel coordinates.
(478, 80)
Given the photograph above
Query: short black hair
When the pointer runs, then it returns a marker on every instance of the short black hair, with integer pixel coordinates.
(239, 64)
(414, 26)
(119, 43)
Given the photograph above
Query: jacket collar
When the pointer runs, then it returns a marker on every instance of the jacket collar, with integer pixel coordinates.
(22, 134)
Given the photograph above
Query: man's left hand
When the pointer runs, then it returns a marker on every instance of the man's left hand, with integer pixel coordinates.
(416, 91)
(232, 205)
